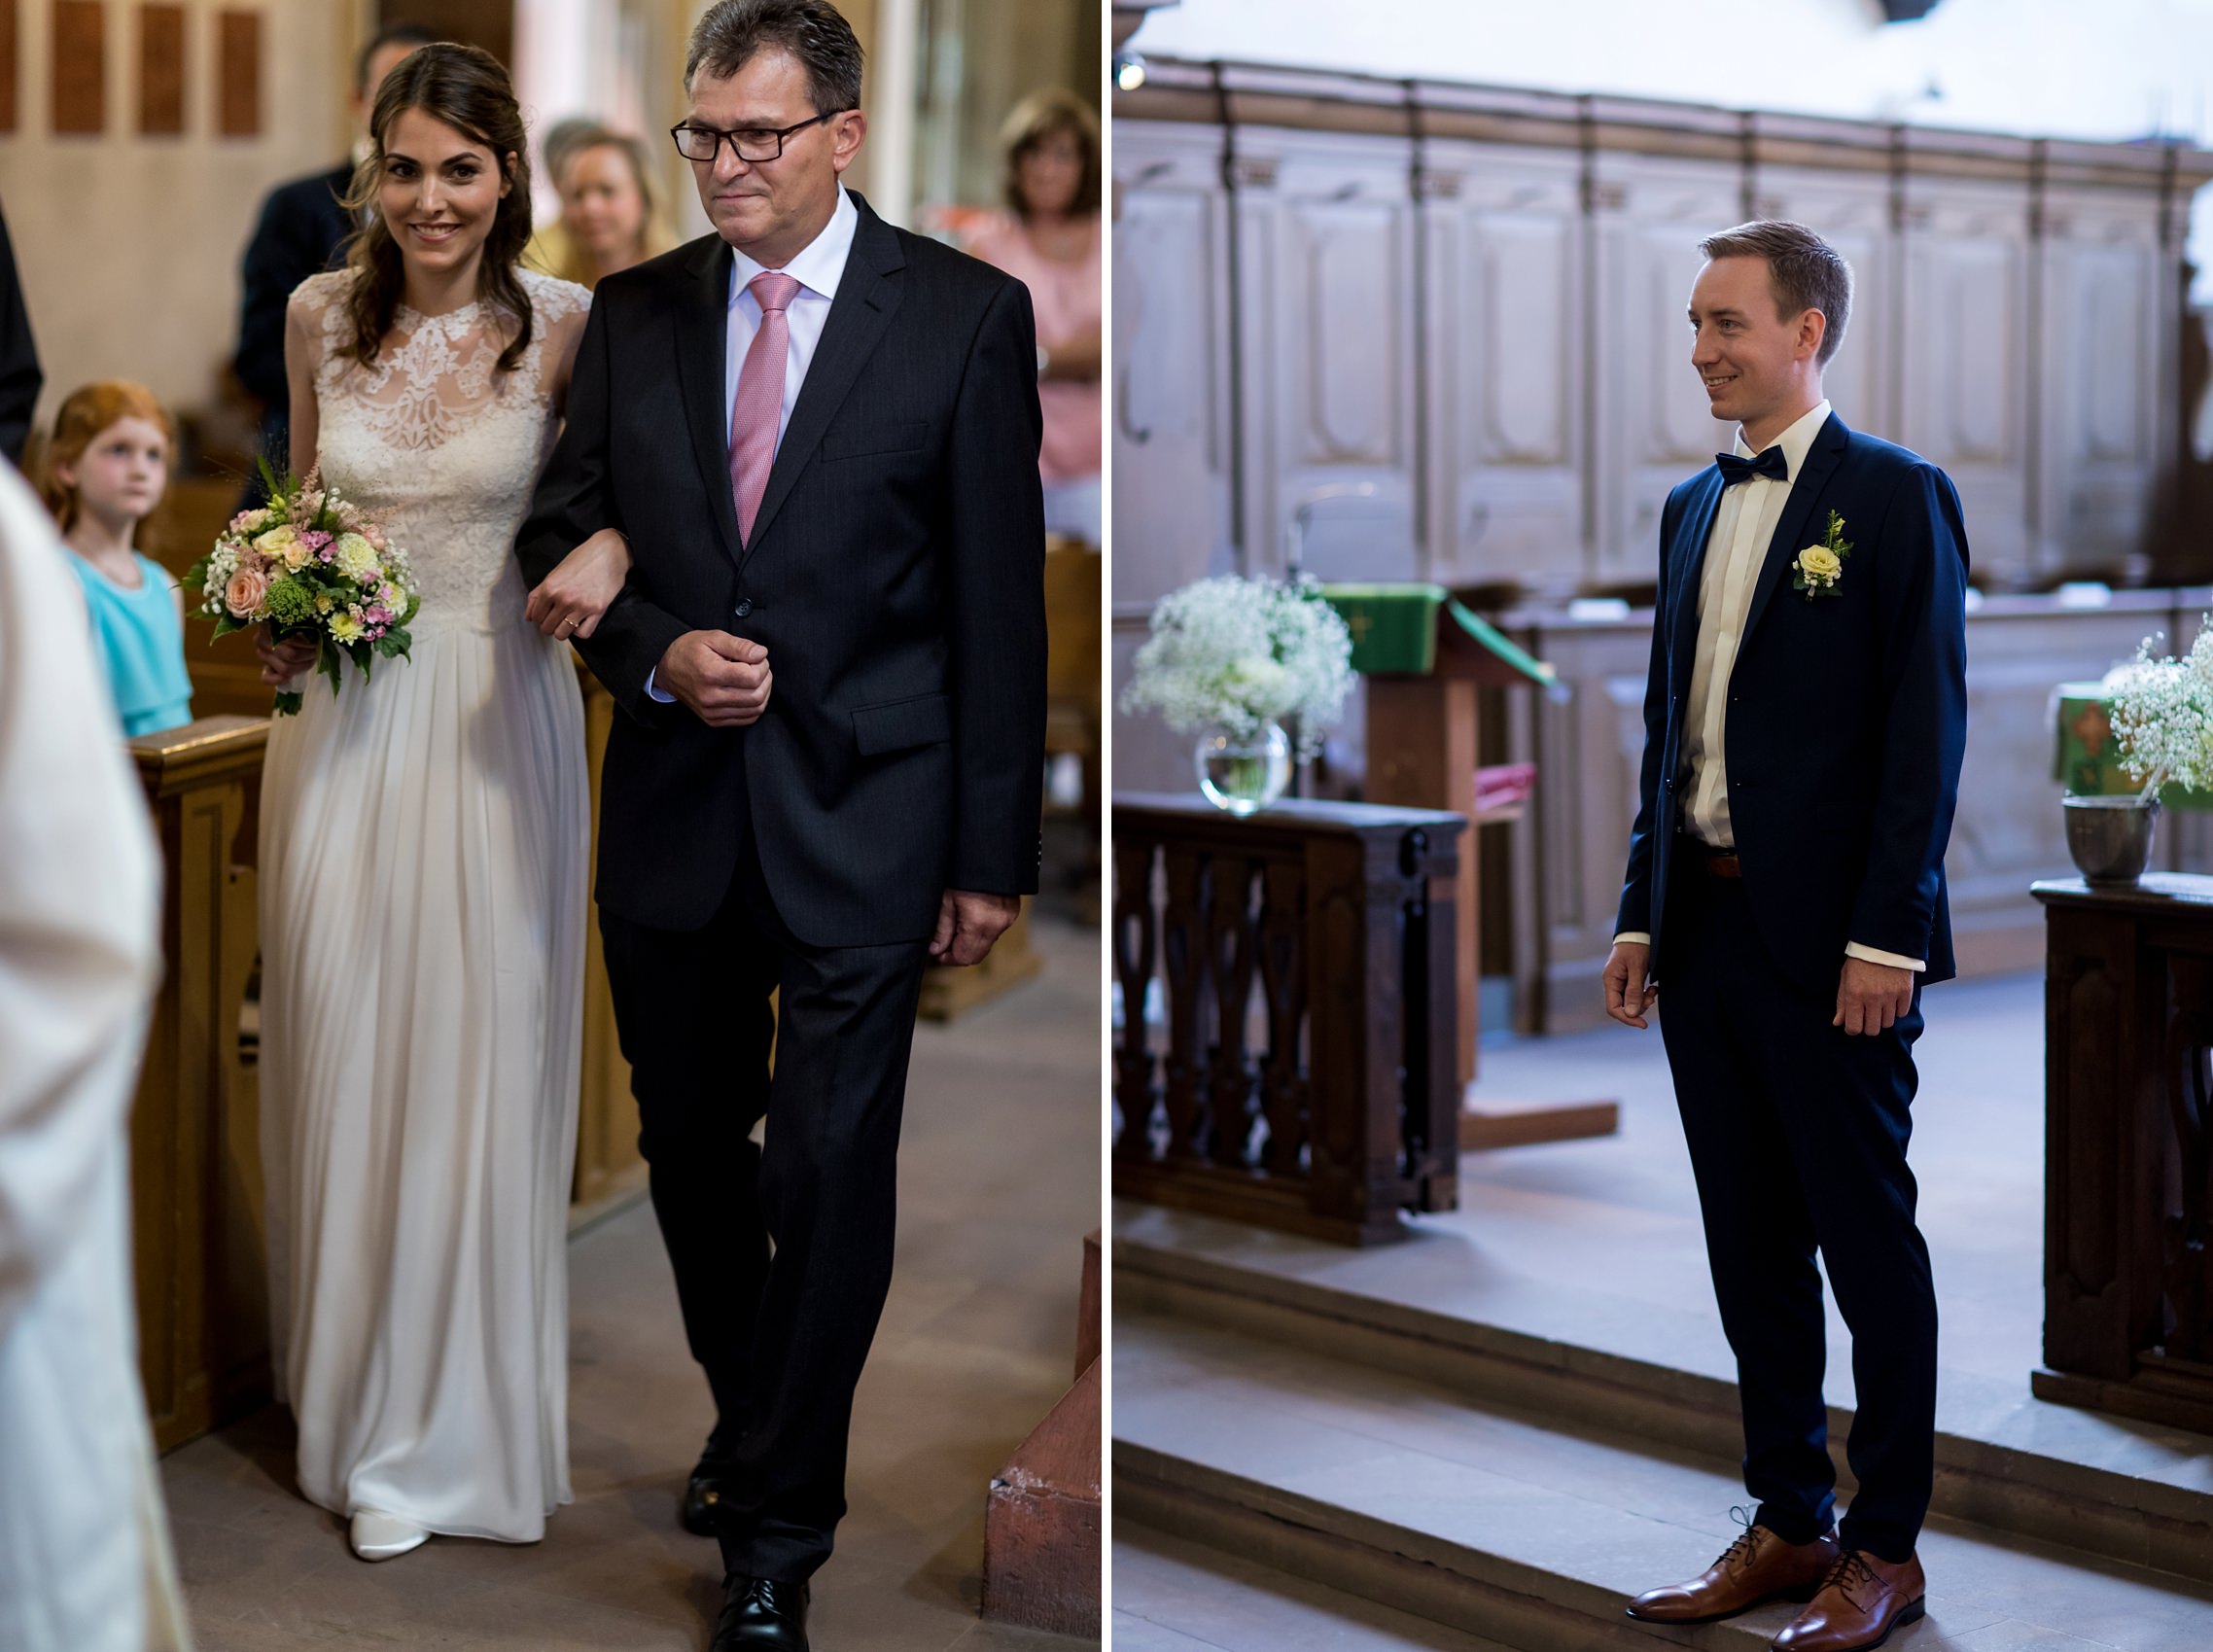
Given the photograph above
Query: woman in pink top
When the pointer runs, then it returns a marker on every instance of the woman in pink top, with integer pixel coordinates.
(1049, 239)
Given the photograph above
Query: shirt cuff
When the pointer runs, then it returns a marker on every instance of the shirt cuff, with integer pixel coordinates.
(1638, 937)
(1872, 955)
(653, 693)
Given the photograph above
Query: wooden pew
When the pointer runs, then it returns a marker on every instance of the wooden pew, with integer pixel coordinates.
(196, 1187)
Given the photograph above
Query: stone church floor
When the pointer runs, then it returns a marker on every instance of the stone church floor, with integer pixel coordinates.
(997, 1185)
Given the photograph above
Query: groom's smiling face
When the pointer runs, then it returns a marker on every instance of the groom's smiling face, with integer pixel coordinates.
(771, 209)
(1756, 363)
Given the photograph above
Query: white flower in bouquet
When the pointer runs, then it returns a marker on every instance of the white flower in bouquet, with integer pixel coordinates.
(2163, 714)
(1235, 653)
(356, 557)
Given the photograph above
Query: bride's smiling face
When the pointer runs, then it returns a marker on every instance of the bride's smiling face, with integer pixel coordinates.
(440, 192)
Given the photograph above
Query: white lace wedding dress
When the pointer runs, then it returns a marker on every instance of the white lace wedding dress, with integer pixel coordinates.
(423, 845)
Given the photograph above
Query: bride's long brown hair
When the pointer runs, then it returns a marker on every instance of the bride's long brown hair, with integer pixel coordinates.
(466, 88)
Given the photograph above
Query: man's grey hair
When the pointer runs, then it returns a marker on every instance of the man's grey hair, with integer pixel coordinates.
(814, 31)
(1805, 273)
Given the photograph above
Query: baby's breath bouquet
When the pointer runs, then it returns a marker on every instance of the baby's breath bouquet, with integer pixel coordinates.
(1238, 653)
(311, 564)
(2162, 715)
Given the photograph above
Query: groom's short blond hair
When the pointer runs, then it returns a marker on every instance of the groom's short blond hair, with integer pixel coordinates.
(1805, 273)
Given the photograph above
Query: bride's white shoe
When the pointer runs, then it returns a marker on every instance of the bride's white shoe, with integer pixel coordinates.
(384, 1536)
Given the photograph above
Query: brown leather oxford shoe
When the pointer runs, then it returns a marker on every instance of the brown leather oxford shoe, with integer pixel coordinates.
(1862, 1600)
(1757, 1567)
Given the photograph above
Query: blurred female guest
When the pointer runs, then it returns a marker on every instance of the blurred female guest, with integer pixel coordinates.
(1049, 239)
(607, 211)
(106, 468)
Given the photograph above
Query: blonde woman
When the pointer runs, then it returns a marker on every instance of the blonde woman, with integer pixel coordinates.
(608, 214)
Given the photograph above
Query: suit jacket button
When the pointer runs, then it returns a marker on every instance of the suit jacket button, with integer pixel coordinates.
(745, 607)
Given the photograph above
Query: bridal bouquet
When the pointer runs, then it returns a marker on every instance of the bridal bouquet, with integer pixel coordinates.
(1240, 654)
(310, 564)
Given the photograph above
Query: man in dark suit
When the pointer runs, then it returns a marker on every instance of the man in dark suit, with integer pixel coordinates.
(1804, 723)
(302, 230)
(818, 435)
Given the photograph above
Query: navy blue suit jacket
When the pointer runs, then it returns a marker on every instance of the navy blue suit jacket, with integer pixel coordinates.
(1847, 719)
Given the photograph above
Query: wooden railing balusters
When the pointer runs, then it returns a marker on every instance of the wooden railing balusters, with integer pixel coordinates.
(1342, 915)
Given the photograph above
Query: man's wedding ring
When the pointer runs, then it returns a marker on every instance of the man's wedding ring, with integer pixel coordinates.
(569, 624)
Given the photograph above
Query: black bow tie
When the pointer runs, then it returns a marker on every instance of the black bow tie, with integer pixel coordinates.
(1769, 464)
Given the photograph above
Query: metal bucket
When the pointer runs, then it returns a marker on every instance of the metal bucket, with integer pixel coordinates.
(2111, 837)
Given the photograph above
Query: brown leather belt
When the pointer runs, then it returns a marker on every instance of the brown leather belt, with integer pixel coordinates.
(1721, 863)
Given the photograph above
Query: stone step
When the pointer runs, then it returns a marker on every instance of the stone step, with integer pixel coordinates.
(2127, 1491)
(1171, 1594)
(1515, 1526)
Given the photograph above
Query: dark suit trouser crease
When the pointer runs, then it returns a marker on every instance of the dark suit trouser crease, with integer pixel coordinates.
(781, 1253)
(1797, 1136)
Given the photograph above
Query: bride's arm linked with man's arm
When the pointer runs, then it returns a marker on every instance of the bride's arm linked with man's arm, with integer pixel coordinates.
(628, 640)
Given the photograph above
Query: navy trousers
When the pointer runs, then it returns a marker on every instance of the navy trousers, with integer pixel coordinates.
(1797, 1136)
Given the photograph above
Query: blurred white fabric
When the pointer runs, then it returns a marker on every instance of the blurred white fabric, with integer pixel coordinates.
(84, 1562)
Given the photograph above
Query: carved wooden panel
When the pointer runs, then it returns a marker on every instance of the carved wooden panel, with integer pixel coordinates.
(238, 74)
(1965, 357)
(1170, 369)
(2099, 341)
(10, 43)
(1505, 345)
(1329, 371)
(1852, 214)
(1652, 427)
(161, 70)
(79, 66)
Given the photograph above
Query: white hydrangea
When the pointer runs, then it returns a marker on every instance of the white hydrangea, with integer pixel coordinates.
(2163, 714)
(1234, 652)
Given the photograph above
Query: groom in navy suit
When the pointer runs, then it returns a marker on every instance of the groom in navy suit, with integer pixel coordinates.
(1803, 718)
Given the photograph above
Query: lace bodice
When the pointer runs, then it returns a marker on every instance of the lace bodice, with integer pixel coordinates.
(438, 442)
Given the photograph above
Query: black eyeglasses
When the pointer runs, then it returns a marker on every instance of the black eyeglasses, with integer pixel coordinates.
(753, 145)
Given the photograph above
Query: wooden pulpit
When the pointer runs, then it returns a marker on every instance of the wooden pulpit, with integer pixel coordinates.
(1425, 654)
(2129, 1148)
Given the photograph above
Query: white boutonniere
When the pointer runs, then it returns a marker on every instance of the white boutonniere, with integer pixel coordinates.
(1820, 566)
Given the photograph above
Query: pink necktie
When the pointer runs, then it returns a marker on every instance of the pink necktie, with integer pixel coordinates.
(759, 403)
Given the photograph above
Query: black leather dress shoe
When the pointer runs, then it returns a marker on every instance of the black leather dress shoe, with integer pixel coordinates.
(760, 1615)
(700, 1509)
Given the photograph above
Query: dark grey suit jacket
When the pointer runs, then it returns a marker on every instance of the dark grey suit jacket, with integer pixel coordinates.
(895, 575)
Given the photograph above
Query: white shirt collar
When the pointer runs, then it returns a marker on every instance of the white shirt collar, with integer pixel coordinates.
(1794, 441)
(820, 265)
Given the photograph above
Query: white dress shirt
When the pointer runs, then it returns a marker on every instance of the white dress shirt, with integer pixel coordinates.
(817, 269)
(1743, 524)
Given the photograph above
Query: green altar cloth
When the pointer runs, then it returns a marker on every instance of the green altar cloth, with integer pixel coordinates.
(1395, 629)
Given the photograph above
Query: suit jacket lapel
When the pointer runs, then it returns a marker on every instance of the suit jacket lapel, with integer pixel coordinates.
(702, 342)
(868, 292)
(1689, 558)
(1794, 527)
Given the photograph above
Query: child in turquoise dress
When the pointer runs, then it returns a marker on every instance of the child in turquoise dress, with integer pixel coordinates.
(106, 469)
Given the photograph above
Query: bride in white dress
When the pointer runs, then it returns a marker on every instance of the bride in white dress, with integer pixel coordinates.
(423, 841)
